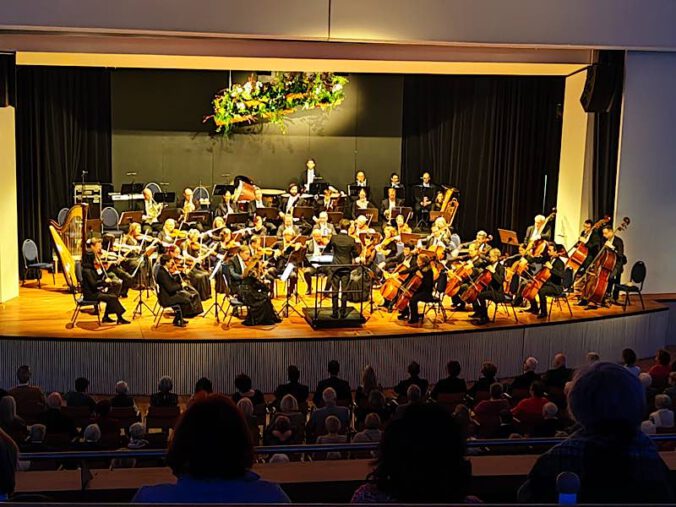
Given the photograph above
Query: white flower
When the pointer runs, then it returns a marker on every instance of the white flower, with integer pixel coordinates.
(247, 86)
(337, 87)
(241, 106)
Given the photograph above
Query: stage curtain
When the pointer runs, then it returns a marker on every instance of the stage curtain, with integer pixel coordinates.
(495, 138)
(62, 128)
(607, 143)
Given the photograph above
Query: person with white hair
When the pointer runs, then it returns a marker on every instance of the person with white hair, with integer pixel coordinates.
(523, 381)
(122, 398)
(92, 434)
(615, 462)
(333, 436)
(164, 397)
(541, 229)
(663, 417)
(57, 422)
(246, 406)
(316, 424)
(35, 441)
(550, 423)
(413, 397)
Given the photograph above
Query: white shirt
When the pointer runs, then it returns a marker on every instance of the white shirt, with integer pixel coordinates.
(259, 204)
(310, 176)
(291, 203)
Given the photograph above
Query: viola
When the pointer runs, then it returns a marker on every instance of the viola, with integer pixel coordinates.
(478, 285)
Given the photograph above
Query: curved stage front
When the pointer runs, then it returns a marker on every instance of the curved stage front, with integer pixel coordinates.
(34, 332)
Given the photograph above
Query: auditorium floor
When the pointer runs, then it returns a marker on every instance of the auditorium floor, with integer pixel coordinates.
(46, 312)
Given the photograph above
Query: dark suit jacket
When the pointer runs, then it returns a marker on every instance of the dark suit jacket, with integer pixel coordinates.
(342, 388)
(524, 380)
(344, 248)
(92, 283)
(403, 386)
(303, 177)
(557, 377)
(385, 205)
(449, 385)
(295, 389)
(235, 272)
(419, 192)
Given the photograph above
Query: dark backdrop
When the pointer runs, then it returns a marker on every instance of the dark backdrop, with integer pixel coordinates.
(495, 138)
(62, 128)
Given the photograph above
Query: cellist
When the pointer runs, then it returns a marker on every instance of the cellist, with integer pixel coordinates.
(423, 292)
(551, 287)
(494, 292)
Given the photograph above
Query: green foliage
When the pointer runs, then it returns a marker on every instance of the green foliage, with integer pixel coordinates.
(258, 102)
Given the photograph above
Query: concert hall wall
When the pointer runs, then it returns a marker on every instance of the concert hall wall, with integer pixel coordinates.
(495, 138)
(158, 133)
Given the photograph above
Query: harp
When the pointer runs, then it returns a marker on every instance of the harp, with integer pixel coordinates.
(69, 240)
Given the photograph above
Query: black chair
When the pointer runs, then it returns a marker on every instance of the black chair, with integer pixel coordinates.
(434, 305)
(32, 265)
(563, 295)
(110, 219)
(80, 301)
(506, 303)
(635, 285)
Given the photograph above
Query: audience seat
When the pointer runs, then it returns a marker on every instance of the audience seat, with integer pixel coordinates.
(124, 417)
(451, 400)
(82, 416)
(163, 418)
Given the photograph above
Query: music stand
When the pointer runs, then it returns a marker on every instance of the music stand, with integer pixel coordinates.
(401, 192)
(236, 218)
(303, 212)
(335, 217)
(269, 214)
(401, 210)
(371, 213)
(268, 241)
(411, 237)
(508, 238)
(202, 217)
(166, 213)
(353, 191)
(165, 197)
(127, 217)
(318, 187)
(131, 188)
(284, 278)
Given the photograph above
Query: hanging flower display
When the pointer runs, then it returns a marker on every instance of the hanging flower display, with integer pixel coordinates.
(271, 101)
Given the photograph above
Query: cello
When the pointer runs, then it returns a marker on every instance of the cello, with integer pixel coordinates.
(601, 270)
(457, 277)
(533, 286)
(478, 285)
(580, 251)
(407, 290)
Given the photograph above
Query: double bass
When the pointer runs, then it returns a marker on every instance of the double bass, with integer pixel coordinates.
(537, 247)
(580, 251)
(601, 270)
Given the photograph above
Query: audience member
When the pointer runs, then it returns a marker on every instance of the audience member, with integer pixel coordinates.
(372, 430)
(663, 417)
(528, 376)
(57, 422)
(245, 389)
(529, 410)
(245, 406)
(333, 436)
(629, 361)
(211, 456)
(30, 400)
(203, 388)
(413, 378)
(281, 432)
(559, 374)
(164, 397)
(316, 424)
(661, 369)
(488, 411)
(8, 463)
(36, 439)
(616, 463)
(369, 384)
(110, 431)
(451, 384)
(122, 398)
(293, 387)
(671, 390)
(550, 423)
(340, 386)
(92, 435)
(79, 397)
(592, 357)
(413, 397)
(488, 372)
(421, 459)
(506, 428)
(10, 422)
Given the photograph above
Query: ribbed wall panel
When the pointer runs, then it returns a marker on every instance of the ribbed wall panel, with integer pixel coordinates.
(56, 363)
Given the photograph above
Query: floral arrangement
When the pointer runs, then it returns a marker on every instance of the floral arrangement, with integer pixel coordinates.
(271, 101)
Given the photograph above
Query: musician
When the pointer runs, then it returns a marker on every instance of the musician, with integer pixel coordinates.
(422, 269)
(327, 202)
(614, 243)
(256, 296)
(283, 256)
(344, 249)
(551, 287)
(236, 268)
(188, 204)
(361, 203)
(423, 195)
(309, 175)
(169, 234)
(118, 276)
(388, 204)
(291, 201)
(132, 255)
(226, 205)
(438, 201)
(539, 230)
(592, 238)
(287, 224)
(479, 262)
(494, 292)
(394, 181)
(253, 206)
(265, 271)
(482, 240)
(359, 179)
(402, 225)
(260, 228)
(257, 201)
(315, 247)
(359, 226)
(194, 253)
(434, 241)
(217, 226)
(97, 286)
(151, 211)
(405, 257)
(324, 226)
(174, 292)
(448, 235)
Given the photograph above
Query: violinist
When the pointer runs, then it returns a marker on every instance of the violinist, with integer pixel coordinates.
(226, 206)
(119, 278)
(362, 203)
(176, 293)
(324, 226)
(261, 228)
(389, 203)
(97, 286)
(315, 247)
(386, 250)
(553, 286)
(194, 254)
(214, 234)
(259, 252)
(130, 247)
(169, 234)
(344, 249)
(283, 252)
(288, 224)
(494, 291)
(236, 268)
(256, 296)
(448, 235)
(402, 226)
(422, 269)
(359, 226)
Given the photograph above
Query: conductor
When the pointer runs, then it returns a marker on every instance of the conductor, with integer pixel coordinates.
(344, 249)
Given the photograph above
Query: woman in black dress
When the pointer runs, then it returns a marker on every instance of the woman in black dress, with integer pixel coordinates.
(256, 296)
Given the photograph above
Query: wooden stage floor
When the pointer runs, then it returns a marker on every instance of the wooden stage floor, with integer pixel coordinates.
(45, 312)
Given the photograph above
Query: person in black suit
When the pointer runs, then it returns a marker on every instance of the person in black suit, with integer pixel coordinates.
(236, 267)
(424, 196)
(591, 238)
(344, 249)
(413, 379)
(494, 292)
(424, 291)
(342, 387)
(528, 376)
(615, 244)
(551, 287)
(309, 175)
(451, 384)
(293, 387)
(96, 286)
(390, 202)
(559, 374)
(290, 201)
(174, 293)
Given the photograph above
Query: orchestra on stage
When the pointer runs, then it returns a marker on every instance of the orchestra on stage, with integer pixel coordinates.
(250, 245)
